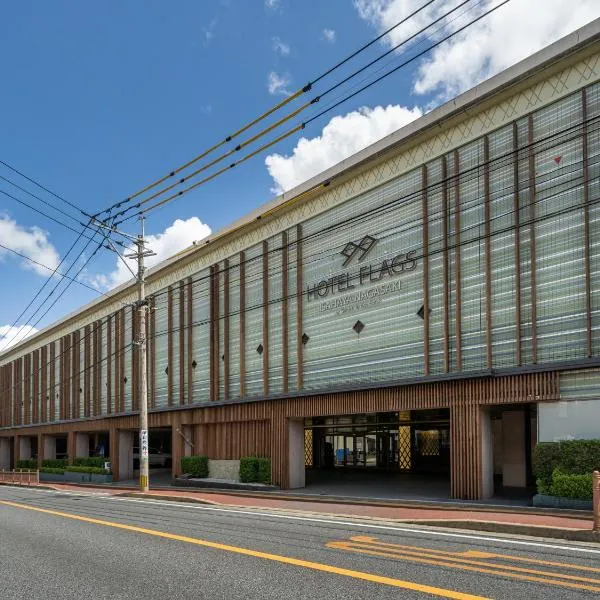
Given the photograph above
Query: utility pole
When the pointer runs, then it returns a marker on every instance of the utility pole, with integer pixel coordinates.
(141, 342)
(142, 307)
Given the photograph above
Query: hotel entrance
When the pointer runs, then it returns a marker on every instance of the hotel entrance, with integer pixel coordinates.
(410, 442)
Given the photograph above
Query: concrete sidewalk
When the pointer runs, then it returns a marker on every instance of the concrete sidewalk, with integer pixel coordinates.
(569, 525)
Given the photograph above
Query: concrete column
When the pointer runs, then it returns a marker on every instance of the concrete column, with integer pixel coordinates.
(49, 447)
(24, 447)
(514, 466)
(5, 454)
(297, 470)
(125, 454)
(82, 445)
(487, 455)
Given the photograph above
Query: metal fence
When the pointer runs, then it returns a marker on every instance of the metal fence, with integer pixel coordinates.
(20, 477)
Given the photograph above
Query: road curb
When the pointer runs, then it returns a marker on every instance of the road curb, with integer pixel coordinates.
(169, 498)
(539, 531)
(351, 501)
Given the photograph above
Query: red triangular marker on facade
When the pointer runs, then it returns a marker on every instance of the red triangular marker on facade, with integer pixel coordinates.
(557, 159)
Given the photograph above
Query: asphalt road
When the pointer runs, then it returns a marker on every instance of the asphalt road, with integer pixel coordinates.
(82, 545)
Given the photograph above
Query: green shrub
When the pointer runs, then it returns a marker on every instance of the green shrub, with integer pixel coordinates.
(52, 470)
(249, 469)
(264, 470)
(91, 470)
(55, 463)
(579, 456)
(90, 461)
(27, 463)
(255, 470)
(545, 459)
(571, 486)
(196, 466)
(569, 457)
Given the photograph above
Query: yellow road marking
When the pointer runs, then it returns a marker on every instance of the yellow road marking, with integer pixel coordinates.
(477, 554)
(452, 563)
(461, 557)
(409, 585)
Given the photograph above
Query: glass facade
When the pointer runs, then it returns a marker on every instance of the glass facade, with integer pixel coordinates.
(486, 257)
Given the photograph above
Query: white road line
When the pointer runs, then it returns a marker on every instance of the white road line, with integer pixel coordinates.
(430, 532)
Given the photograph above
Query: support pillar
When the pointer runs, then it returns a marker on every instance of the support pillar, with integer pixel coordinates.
(296, 467)
(24, 447)
(487, 454)
(48, 447)
(471, 463)
(125, 455)
(5, 454)
(82, 445)
(71, 452)
(514, 464)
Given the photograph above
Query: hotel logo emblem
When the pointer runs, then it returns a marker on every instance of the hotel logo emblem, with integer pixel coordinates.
(362, 248)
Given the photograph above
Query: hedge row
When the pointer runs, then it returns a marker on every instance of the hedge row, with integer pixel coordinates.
(90, 461)
(571, 486)
(51, 470)
(565, 468)
(255, 470)
(92, 470)
(27, 463)
(196, 466)
(55, 463)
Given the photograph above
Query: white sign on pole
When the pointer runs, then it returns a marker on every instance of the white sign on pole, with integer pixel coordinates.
(144, 443)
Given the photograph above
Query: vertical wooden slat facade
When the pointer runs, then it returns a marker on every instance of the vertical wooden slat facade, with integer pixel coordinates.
(299, 302)
(488, 251)
(170, 368)
(35, 370)
(457, 264)
(121, 346)
(190, 340)
(44, 393)
(182, 361)
(586, 224)
(517, 238)
(445, 267)
(265, 317)
(242, 349)
(284, 310)
(425, 218)
(112, 360)
(226, 357)
(532, 238)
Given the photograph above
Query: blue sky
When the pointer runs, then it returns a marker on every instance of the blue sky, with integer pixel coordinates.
(99, 99)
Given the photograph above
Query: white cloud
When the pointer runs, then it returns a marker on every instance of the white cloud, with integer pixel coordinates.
(498, 41)
(209, 32)
(178, 236)
(272, 4)
(328, 35)
(32, 242)
(9, 335)
(341, 137)
(277, 84)
(280, 47)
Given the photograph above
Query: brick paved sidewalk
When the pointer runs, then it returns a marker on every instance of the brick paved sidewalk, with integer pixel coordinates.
(413, 514)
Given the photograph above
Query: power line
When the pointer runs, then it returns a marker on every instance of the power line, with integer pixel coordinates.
(317, 116)
(269, 112)
(57, 196)
(54, 271)
(289, 116)
(41, 212)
